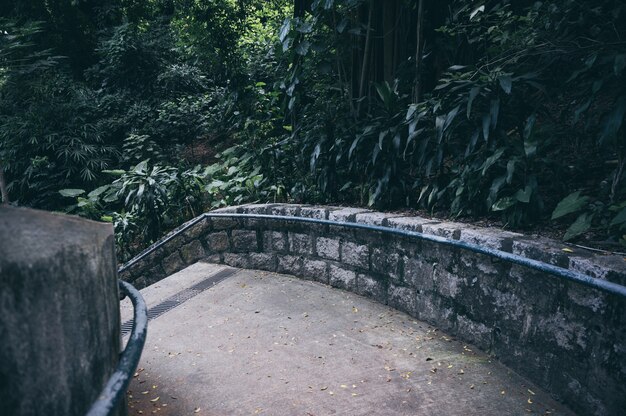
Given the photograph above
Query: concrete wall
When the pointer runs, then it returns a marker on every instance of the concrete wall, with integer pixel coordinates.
(569, 339)
(59, 312)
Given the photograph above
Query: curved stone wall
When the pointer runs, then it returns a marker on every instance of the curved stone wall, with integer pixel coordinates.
(569, 339)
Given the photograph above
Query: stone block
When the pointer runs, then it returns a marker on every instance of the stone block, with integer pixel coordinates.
(192, 252)
(402, 298)
(257, 208)
(240, 260)
(155, 274)
(321, 213)
(346, 214)
(174, 243)
(447, 284)
(244, 241)
(355, 254)
(224, 223)
(140, 283)
(474, 332)
(274, 241)
(315, 270)
(483, 237)
(327, 248)
(541, 249)
(262, 261)
(173, 263)
(341, 278)
(419, 273)
(374, 218)
(409, 223)
(227, 210)
(214, 258)
(371, 287)
(388, 263)
(446, 229)
(290, 265)
(217, 241)
(197, 230)
(287, 210)
(300, 243)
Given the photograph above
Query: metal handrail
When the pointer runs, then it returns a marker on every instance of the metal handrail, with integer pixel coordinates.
(116, 386)
(566, 274)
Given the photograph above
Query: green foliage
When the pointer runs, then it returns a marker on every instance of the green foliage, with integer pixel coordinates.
(510, 108)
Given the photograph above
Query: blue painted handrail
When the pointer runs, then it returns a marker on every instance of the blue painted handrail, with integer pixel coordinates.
(115, 389)
(566, 274)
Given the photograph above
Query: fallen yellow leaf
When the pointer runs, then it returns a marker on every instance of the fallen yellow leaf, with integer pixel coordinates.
(568, 250)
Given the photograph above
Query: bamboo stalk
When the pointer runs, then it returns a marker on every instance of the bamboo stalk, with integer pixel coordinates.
(365, 56)
(418, 52)
(3, 188)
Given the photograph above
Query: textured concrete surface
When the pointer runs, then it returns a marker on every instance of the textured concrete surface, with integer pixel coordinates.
(264, 343)
(59, 312)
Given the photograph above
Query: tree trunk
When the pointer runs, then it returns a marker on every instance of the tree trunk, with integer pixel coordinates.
(300, 7)
(418, 52)
(365, 56)
(3, 187)
(389, 35)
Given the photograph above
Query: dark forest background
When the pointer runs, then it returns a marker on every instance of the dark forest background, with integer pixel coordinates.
(147, 113)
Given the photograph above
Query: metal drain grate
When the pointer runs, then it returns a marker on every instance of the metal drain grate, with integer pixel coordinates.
(181, 297)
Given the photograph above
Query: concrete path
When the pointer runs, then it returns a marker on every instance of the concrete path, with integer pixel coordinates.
(270, 344)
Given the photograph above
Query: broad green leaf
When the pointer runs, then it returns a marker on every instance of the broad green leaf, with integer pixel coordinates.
(492, 159)
(439, 123)
(375, 153)
(341, 26)
(582, 224)
(284, 30)
(510, 169)
(303, 47)
(71, 193)
(410, 112)
(353, 146)
(486, 123)
(506, 83)
(98, 191)
(472, 96)
(620, 218)
(494, 112)
(115, 172)
(476, 11)
(523, 195)
(619, 64)
(141, 167)
(503, 204)
(571, 203)
(581, 109)
(613, 122)
(450, 117)
(496, 185)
